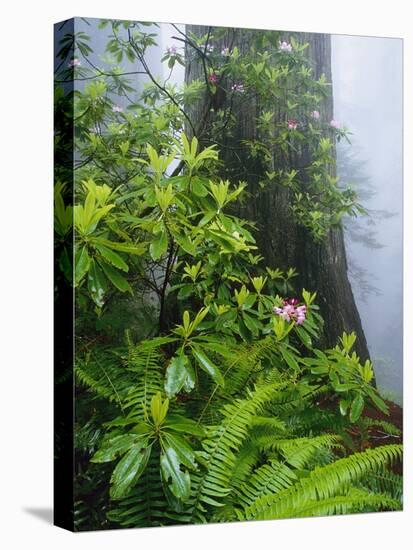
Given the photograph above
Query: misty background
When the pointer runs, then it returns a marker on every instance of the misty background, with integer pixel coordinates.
(367, 89)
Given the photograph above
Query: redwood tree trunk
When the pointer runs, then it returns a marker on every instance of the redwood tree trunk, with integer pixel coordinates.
(322, 266)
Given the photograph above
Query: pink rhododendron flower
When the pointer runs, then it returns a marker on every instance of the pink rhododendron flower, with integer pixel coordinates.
(171, 50)
(334, 124)
(291, 311)
(285, 46)
(300, 313)
(213, 78)
(238, 87)
(74, 62)
(315, 115)
(292, 124)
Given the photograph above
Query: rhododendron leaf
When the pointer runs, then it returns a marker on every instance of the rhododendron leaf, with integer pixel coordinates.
(304, 337)
(289, 358)
(180, 481)
(345, 387)
(114, 447)
(116, 278)
(198, 187)
(184, 451)
(112, 257)
(176, 374)
(356, 408)
(159, 245)
(344, 404)
(129, 469)
(252, 325)
(208, 366)
(377, 400)
(82, 264)
(96, 284)
(179, 423)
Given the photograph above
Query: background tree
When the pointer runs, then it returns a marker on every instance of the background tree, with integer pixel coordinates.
(283, 241)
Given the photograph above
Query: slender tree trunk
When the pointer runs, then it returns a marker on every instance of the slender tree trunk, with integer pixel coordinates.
(322, 266)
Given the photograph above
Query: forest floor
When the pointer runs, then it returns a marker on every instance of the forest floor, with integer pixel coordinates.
(376, 434)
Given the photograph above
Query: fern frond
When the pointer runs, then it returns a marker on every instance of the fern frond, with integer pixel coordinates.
(298, 452)
(325, 482)
(102, 373)
(267, 425)
(246, 459)
(246, 365)
(313, 420)
(218, 455)
(354, 501)
(387, 427)
(269, 479)
(386, 482)
(145, 361)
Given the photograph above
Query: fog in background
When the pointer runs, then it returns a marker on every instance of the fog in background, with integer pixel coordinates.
(367, 88)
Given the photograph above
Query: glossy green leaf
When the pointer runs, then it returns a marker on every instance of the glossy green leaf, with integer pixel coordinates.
(159, 245)
(356, 408)
(179, 423)
(178, 481)
(304, 337)
(185, 243)
(208, 366)
(252, 324)
(114, 447)
(130, 248)
(189, 383)
(112, 257)
(344, 404)
(344, 387)
(176, 374)
(82, 264)
(116, 278)
(96, 284)
(377, 400)
(129, 469)
(289, 358)
(198, 186)
(184, 451)
(159, 408)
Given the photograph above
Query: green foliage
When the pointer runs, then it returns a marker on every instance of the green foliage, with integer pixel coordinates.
(216, 407)
(315, 494)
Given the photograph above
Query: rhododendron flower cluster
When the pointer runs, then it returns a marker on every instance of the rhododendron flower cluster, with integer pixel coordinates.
(285, 46)
(315, 115)
(334, 124)
(292, 124)
(171, 50)
(213, 78)
(292, 311)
